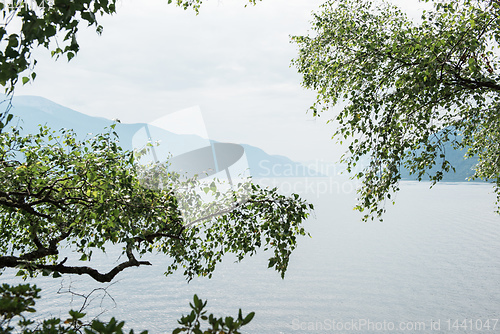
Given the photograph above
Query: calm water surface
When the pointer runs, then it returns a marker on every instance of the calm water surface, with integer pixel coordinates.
(433, 263)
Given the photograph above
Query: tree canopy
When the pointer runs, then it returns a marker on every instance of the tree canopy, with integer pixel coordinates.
(59, 192)
(407, 88)
(56, 189)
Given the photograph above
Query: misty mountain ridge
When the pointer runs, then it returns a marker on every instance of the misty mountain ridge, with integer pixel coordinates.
(33, 111)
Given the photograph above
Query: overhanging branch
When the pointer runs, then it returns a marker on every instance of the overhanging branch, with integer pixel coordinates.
(13, 262)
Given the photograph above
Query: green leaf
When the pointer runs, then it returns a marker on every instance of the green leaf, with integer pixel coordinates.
(248, 318)
(76, 315)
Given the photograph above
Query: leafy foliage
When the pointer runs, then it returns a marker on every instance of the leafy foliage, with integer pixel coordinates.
(15, 301)
(191, 323)
(407, 88)
(56, 191)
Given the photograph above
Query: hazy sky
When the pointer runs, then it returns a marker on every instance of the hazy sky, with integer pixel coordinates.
(232, 62)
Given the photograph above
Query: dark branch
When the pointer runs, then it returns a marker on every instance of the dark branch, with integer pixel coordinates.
(13, 262)
(474, 84)
(7, 201)
(151, 237)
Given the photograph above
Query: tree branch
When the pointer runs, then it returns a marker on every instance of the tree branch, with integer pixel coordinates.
(13, 262)
(8, 202)
(474, 84)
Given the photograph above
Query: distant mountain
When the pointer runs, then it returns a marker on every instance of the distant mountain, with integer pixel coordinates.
(464, 168)
(33, 111)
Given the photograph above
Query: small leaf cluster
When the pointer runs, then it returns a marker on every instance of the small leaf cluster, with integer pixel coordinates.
(41, 22)
(15, 301)
(53, 25)
(192, 323)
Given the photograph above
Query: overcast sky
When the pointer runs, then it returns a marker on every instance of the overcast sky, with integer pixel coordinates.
(232, 62)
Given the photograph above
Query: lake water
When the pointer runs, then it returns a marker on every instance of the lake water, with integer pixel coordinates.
(433, 265)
